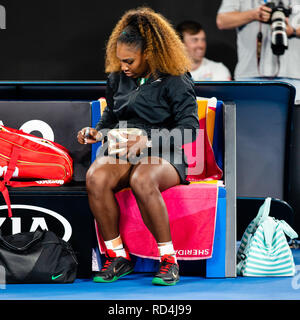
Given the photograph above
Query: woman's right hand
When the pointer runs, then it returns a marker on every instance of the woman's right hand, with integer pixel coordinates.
(88, 135)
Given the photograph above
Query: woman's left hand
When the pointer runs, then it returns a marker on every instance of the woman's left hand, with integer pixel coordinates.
(133, 146)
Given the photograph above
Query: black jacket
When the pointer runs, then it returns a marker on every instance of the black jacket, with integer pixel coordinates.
(167, 102)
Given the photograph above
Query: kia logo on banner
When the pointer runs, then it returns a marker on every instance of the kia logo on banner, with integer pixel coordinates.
(30, 217)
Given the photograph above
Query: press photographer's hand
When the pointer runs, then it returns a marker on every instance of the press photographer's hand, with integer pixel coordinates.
(263, 13)
(289, 28)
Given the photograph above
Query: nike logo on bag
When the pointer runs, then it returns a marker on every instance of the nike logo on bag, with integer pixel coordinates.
(55, 277)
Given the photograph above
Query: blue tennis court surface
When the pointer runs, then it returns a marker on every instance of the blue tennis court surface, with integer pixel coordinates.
(138, 286)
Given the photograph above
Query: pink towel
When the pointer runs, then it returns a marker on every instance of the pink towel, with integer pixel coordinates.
(192, 217)
(200, 157)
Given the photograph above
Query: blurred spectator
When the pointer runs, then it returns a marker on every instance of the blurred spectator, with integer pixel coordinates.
(203, 69)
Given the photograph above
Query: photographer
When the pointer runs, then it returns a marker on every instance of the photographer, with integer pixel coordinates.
(256, 57)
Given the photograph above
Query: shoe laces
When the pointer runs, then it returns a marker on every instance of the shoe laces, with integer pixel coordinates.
(109, 254)
(107, 264)
(166, 262)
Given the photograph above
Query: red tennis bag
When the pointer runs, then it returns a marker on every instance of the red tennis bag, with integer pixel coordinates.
(27, 160)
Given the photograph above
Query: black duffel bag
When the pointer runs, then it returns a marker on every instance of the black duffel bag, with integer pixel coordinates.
(37, 257)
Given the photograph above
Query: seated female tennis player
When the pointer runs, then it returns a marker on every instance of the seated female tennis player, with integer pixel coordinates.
(149, 87)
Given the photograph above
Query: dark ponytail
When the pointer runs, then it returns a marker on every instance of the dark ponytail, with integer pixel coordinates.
(131, 34)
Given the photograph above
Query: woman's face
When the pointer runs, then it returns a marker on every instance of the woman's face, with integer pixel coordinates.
(133, 61)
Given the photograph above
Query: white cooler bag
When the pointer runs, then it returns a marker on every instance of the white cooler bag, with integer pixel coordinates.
(264, 250)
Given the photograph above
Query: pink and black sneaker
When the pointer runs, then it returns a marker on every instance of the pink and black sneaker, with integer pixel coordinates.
(114, 268)
(168, 274)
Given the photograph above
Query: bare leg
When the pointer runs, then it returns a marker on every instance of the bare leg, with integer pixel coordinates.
(103, 180)
(147, 182)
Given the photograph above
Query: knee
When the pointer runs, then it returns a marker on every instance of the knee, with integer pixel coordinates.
(97, 181)
(143, 184)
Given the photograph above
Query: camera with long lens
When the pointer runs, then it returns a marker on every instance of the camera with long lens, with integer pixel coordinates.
(279, 39)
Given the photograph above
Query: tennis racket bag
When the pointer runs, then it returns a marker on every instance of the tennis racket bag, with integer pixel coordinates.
(27, 160)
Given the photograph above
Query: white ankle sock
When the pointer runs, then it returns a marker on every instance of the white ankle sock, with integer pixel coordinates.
(117, 248)
(166, 248)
